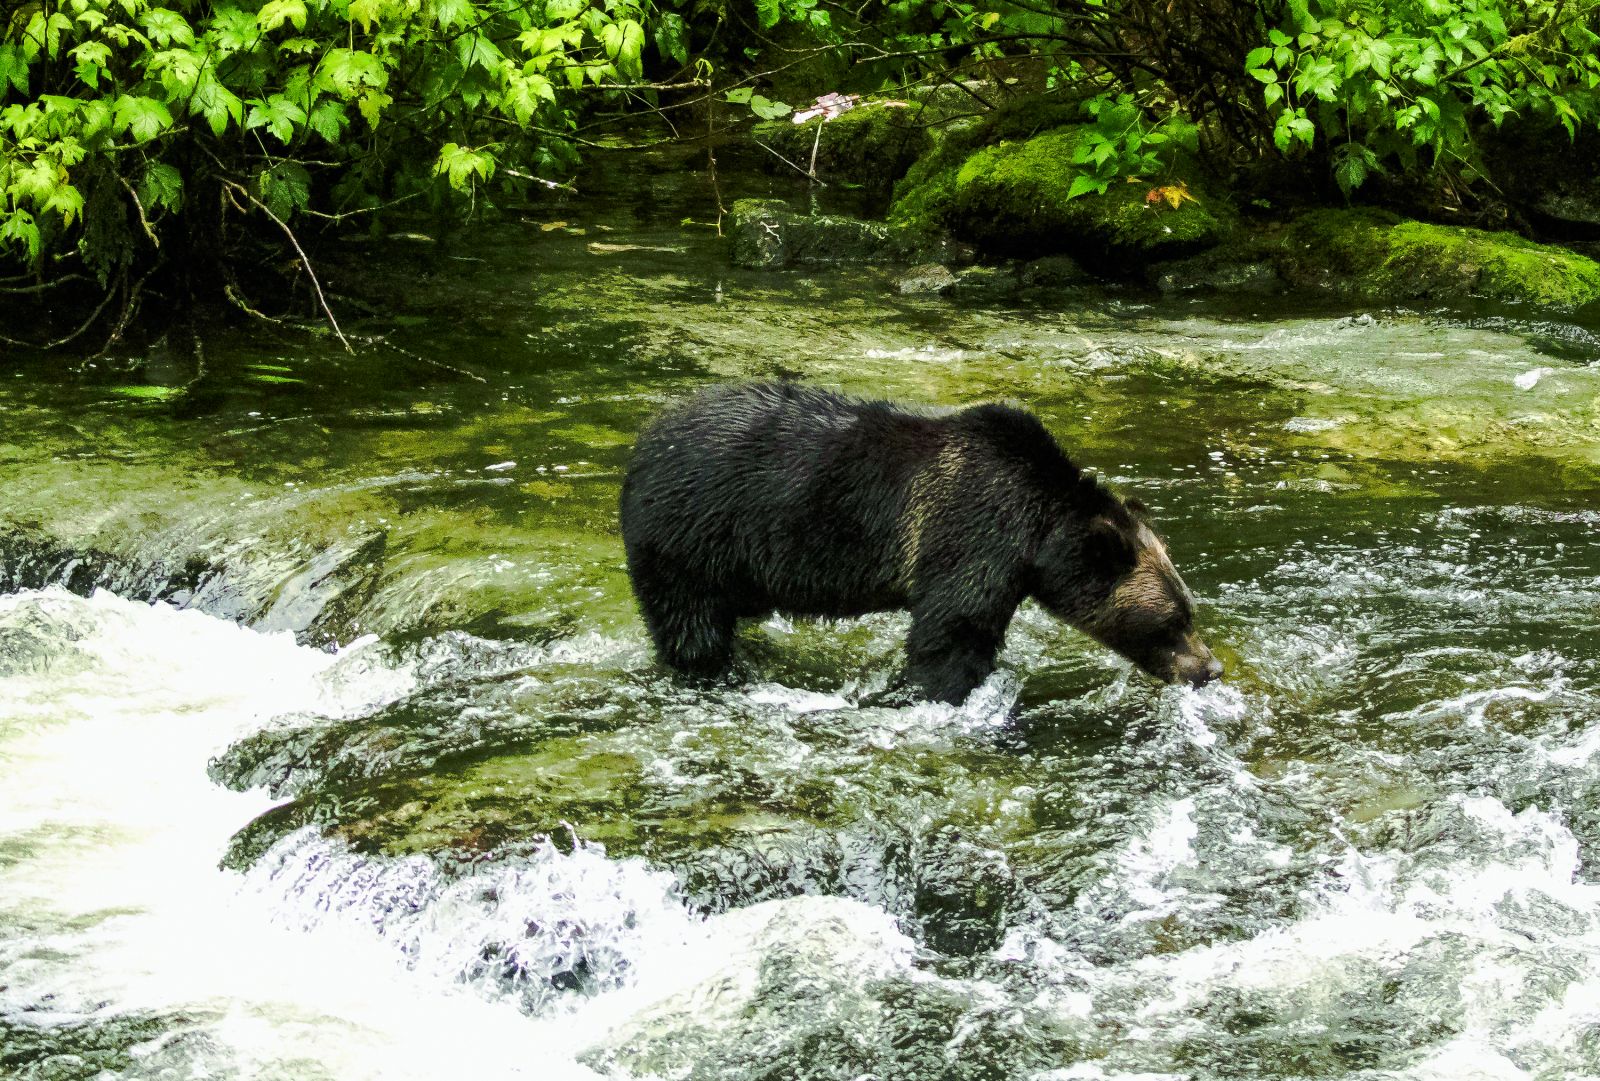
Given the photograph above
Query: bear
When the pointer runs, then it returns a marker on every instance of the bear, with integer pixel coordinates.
(749, 499)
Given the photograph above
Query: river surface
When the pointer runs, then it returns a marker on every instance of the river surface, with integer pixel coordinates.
(331, 745)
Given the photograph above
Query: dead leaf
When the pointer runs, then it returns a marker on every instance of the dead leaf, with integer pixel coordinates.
(1174, 195)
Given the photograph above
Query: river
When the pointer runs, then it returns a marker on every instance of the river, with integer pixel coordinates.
(332, 747)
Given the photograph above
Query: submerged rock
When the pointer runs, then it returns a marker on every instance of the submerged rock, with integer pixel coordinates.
(1055, 272)
(767, 235)
(986, 283)
(780, 973)
(1218, 273)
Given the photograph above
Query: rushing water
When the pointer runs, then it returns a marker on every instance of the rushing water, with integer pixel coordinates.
(358, 630)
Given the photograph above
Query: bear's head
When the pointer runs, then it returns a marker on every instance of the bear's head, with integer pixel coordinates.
(1103, 570)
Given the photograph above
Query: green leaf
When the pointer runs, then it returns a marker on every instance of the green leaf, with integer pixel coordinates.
(274, 13)
(767, 12)
(285, 188)
(19, 228)
(278, 115)
(162, 187)
(232, 30)
(561, 11)
(143, 118)
(769, 110)
(348, 72)
(328, 120)
(672, 39)
(13, 69)
(371, 105)
(367, 12)
(1083, 184)
(165, 26)
(450, 14)
(460, 164)
(1255, 58)
(91, 57)
(66, 201)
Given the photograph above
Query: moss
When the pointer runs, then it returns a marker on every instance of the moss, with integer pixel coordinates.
(1013, 197)
(924, 199)
(1378, 256)
(872, 145)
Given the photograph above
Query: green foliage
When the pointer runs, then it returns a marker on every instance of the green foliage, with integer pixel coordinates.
(1402, 85)
(154, 113)
(1123, 143)
(765, 108)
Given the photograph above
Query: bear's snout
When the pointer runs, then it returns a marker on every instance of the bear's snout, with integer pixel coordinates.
(1196, 667)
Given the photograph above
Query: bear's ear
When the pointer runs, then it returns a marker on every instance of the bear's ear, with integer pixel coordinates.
(1136, 507)
(1109, 542)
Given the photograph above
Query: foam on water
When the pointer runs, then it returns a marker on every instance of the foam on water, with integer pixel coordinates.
(110, 895)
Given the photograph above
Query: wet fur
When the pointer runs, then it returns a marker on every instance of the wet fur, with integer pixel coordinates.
(746, 500)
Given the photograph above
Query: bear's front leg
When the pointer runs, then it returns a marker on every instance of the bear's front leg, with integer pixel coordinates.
(948, 655)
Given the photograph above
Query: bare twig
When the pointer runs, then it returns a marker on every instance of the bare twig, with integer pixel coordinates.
(138, 205)
(130, 307)
(40, 287)
(801, 169)
(552, 184)
(93, 316)
(305, 260)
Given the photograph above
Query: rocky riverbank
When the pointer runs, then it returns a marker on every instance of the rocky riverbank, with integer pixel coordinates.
(998, 191)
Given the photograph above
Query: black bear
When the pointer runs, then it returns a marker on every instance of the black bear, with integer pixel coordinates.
(750, 499)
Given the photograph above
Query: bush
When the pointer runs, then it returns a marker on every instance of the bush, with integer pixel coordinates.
(135, 129)
(1404, 85)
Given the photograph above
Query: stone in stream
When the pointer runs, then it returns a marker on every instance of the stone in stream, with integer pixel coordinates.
(744, 500)
(926, 278)
(767, 235)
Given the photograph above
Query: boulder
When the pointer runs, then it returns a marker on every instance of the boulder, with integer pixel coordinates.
(1373, 255)
(1015, 198)
(871, 145)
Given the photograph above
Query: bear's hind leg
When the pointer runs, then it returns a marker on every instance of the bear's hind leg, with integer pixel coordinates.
(692, 632)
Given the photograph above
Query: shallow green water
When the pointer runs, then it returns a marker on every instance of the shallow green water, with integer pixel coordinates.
(1368, 854)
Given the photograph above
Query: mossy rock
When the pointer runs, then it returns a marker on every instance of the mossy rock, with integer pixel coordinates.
(1377, 256)
(870, 146)
(923, 194)
(767, 235)
(1013, 198)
